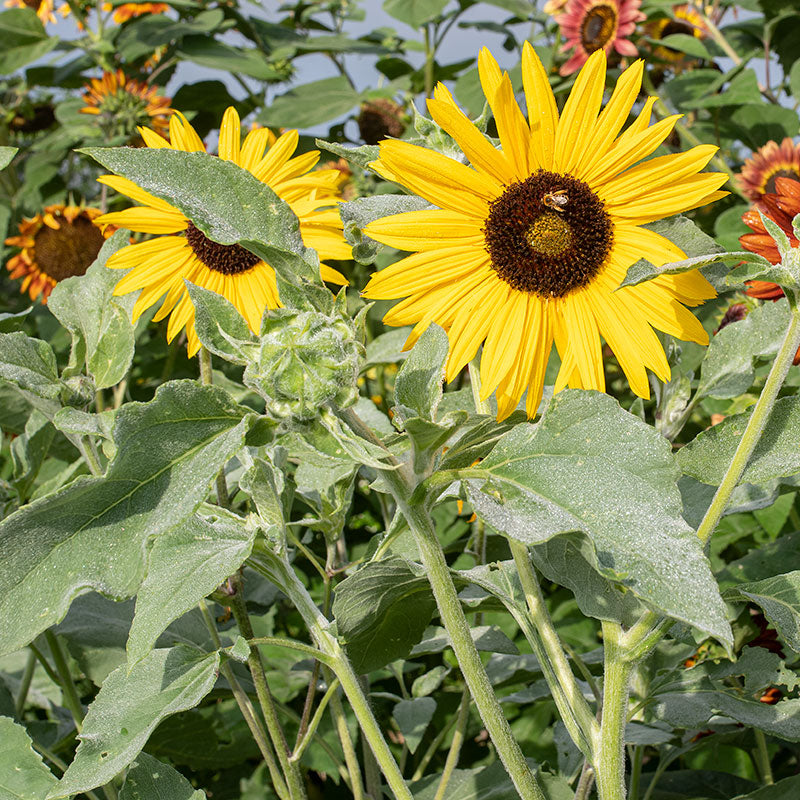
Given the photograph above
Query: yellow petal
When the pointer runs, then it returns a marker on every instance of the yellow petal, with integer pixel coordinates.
(153, 139)
(277, 156)
(230, 136)
(542, 110)
(183, 136)
(253, 148)
(138, 195)
(514, 133)
(584, 341)
(574, 132)
(426, 230)
(145, 220)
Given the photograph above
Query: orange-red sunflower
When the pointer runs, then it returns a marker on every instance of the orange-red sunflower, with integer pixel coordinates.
(591, 25)
(768, 163)
(529, 245)
(122, 104)
(58, 243)
(160, 266)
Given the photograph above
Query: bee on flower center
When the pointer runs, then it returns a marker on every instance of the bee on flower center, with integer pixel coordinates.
(556, 200)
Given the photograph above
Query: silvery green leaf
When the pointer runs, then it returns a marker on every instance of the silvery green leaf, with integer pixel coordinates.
(413, 717)
(727, 369)
(168, 453)
(487, 639)
(220, 327)
(779, 598)
(381, 612)
(128, 709)
(23, 776)
(360, 156)
(591, 467)
(418, 385)
(643, 270)
(151, 779)
(99, 324)
(388, 347)
(186, 564)
(10, 322)
(776, 454)
(30, 364)
(6, 155)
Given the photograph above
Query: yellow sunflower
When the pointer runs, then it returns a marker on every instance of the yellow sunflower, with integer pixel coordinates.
(58, 243)
(529, 245)
(159, 266)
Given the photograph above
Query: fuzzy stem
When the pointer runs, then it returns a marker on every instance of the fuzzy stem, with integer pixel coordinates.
(755, 427)
(610, 761)
(761, 757)
(291, 772)
(247, 710)
(455, 746)
(206, 379)
(68, 691)
(25, 684)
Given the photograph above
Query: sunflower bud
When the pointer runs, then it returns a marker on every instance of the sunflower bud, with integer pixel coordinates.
(306, 359)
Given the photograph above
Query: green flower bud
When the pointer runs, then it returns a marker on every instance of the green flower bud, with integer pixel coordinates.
(306, 359)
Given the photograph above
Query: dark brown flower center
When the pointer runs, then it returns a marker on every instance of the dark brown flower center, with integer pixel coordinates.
(548, 235)
(676, 26)
(68, 251)
(229, 259)
(769, 185)
(598, 28)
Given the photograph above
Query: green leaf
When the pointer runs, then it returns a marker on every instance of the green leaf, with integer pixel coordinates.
(100, 325)
(727, 370)
(186, 564)
(224, 201)
(756, 123)
(779, 597)
(794, 80)
(690, 45)
(220, 326)
(414, 12)
(214, 54)
(412, 718)
(7, 155)
(591, 467)
(154, 30)
(169, 451)
(775, 456)
(742, 89)
(787, 789)
(30, 364)
(381, 612)
(23, 776)
(128, 708)
(388, 347)
(418, 386)
(22, 39)
(311, 104)
(360, 156)
(151, 779)
(487, 639)
(266, 485)
(11, 322)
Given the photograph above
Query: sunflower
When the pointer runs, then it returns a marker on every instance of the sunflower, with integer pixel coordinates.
(126, 11)
(160, 266)
(529, 245)
(685, 19)
(781, 207)
(591, 25)
(768, 163)
(122, 104)
(59, 243)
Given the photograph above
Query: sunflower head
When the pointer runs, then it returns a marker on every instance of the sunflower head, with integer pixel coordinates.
(380, 119)
(591, 25)
(528, 246)
(161, 266)
(307, 359)
(59, 243)
(122, 104)
(770, 162)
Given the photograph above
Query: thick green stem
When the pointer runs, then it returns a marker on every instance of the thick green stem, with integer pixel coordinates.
(282, 575)
(291, 772)
(452, 616)
(572, 706)
(350, 757)
(247, 710)
(68, 691)
(206, 378)
(313, 723)
(755, 427)
(609, 762)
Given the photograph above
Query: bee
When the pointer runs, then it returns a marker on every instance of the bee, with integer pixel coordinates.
(556, 200)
